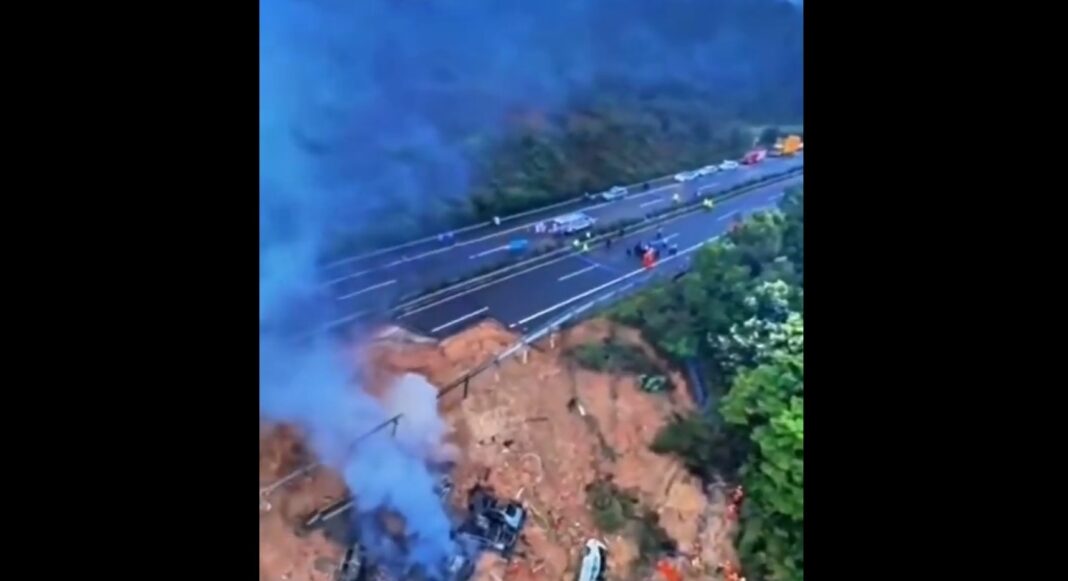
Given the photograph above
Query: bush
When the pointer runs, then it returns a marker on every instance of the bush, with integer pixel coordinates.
(653, 540)
(615, 510)
(704, 445)
(611, 507)
(612, 357)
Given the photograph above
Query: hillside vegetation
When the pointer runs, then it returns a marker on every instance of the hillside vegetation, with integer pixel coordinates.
(740, 314)
(603, 93)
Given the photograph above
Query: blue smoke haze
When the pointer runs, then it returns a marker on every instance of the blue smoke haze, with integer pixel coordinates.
(367, 108)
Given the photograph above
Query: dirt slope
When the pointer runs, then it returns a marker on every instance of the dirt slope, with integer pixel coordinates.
(540, 431)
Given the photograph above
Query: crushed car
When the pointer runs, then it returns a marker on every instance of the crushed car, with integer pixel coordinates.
(493, 524)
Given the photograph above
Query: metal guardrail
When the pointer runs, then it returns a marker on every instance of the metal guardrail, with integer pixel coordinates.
(430, 238)
(691, 206)
(570, 317)
(573, 316)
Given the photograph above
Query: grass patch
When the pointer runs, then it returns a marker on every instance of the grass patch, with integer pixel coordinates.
(611, 356)
(611, 507)
(653, 540)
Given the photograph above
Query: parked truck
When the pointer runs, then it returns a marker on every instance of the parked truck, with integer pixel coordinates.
(791, 145)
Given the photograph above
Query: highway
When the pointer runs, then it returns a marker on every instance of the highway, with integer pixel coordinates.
(530, 297)
(375, 281)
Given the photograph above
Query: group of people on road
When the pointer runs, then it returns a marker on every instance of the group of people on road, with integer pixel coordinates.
(650, 252)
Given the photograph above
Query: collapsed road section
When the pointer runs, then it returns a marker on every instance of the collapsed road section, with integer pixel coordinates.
(490, 524)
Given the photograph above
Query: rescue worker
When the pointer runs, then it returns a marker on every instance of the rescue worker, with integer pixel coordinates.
(575, 243)
(674, 249)
(707, 203)
(648, 261)
(675, 198)
(669, 572)
(737, 494)
(496, 220)
(585, 246)
(659, 233)
(589, 235)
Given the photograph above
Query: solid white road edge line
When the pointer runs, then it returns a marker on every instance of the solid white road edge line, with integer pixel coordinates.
(500, 233)
(525, 271)
(606, 285)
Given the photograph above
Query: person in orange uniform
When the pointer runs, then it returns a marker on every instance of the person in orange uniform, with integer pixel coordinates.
(648, 259)
(730, 572)
(669, 572)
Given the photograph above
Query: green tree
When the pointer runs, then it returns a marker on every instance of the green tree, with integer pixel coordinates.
(793, 238)
(771, 329)
(768, 402)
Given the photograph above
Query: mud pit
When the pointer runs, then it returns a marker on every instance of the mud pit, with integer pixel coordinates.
(522, 431)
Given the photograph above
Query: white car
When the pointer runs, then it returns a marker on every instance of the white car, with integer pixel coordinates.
(685, 176)
(728, 165)
(614, 193)
(708, 169)
(593, 559)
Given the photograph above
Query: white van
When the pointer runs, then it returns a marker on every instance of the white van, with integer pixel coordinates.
(570, 223)
(593, 558)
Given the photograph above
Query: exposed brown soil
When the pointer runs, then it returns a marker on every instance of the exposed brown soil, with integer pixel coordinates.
(541, 431)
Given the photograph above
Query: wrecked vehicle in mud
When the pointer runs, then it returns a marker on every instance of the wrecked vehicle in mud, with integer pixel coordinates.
(490, 524)
(351, 567)
(594, 556)
(493, 524)
(354, 567)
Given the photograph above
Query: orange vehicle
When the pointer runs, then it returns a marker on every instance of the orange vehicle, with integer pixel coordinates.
(791, 145)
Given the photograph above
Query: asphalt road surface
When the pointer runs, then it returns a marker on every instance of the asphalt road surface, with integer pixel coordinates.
(531, 297)
(374, 282)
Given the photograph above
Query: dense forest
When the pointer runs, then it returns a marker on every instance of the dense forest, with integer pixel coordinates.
(466, 111)
(740, 314)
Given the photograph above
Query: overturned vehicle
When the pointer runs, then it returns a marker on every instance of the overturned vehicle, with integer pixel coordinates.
(489, 525)
(492, 524)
